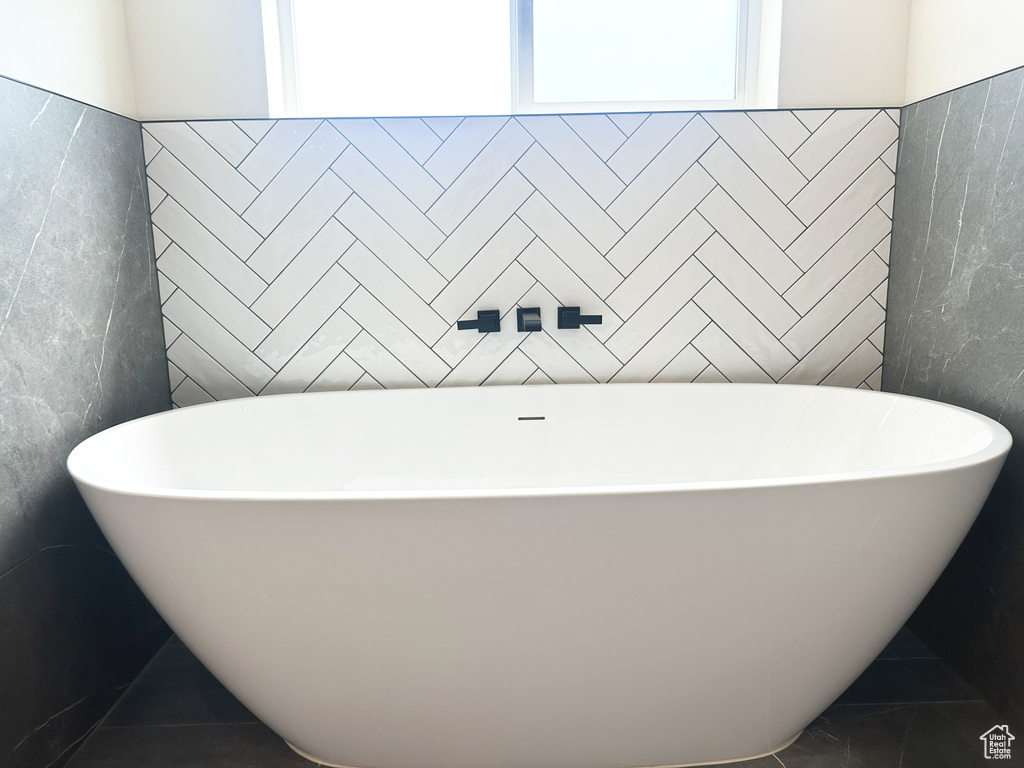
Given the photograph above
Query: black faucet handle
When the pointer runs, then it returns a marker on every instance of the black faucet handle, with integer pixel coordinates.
(570, 318)
(487, 321)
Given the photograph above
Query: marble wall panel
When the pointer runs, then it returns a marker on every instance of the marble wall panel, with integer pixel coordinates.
(81, 349)
(955, 332)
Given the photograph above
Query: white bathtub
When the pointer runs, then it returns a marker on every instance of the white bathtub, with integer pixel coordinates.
(649, 575)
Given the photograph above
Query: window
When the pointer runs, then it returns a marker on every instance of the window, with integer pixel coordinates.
(609, 55)
(379, 58)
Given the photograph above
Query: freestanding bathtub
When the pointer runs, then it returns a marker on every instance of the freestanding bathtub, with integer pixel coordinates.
(541, 577)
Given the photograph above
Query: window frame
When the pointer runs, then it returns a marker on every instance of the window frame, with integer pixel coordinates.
(747, 58)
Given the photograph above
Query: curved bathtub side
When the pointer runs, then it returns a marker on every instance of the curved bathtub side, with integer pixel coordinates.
(557, 632)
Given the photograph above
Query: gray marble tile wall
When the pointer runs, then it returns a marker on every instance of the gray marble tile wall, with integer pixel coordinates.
(81, 349)
(955, 332)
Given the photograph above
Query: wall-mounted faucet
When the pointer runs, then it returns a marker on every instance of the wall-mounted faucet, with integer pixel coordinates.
(487, 321)
(528, 319)
(570, 317)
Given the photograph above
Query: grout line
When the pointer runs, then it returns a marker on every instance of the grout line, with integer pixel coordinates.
(287, 214)
(181, 725)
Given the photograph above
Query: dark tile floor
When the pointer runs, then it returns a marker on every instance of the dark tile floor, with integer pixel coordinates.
(908, 710)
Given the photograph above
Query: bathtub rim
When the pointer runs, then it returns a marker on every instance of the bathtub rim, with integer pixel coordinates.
(997, 449)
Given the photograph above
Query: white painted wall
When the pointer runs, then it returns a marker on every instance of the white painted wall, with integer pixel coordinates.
(173, 59)
(844, 53)
(77, 48)
(204, 58)
(197, 58)
(955, 42)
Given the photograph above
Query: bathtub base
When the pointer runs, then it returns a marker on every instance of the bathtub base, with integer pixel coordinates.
(779, 748)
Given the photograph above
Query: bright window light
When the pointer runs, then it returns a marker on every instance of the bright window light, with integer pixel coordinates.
(382, 58)
(401, 57)
(641, 50)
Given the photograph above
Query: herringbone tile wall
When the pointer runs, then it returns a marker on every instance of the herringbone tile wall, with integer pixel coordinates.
(334, 254)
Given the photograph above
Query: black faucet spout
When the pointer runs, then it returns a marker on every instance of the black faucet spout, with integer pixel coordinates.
(528, 319)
